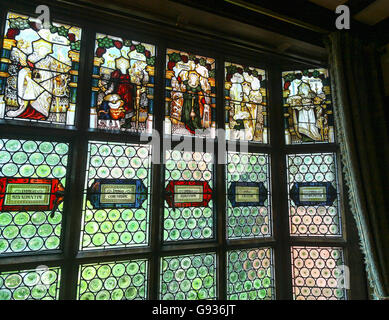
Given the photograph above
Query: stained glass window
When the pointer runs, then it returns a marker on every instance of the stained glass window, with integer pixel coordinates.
(122, 85)
(188, 277)
(318, 273)
(39, 71)
(248, 195)
(245, 103)
(188, 212)
(124, 280)
(313, 195)
(41, 283)
(79, 190)
(250, 274)
(308, 106)
(190, 94)
(32, 185)
(116, 196)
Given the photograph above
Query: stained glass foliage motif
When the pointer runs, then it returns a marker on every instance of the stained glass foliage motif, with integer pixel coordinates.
(188, 277)
(313, 195)
(248, 195)
(188, 212)
(307, 106)
(39, 71)
(32, 184)
(250, 274)
(124, 280)
(36, 284)
(122, 85)
(245, 103)
(190, 94)
(318, 273)
(116, 196)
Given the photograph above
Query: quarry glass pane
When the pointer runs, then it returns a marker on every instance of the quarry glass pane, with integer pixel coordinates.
(123, 280)
(188, 211)
(122, 85)
(314, 204)
(318, 273)
(35, 284)
(250, 274)
(116, 196)
(32, 186)
(190, 94)
(307, 101)
(39, 71)
(248, 195)
(188, 277)
(245, 102)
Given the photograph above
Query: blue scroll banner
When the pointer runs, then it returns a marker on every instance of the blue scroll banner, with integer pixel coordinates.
(117, 193)
(251, 190)
(313, 193)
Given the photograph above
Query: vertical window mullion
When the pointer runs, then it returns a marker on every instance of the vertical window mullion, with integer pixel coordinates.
(3, 19)
(157, 176)
(73, 219)
(282, 261)
(79, 149)
(220, 184)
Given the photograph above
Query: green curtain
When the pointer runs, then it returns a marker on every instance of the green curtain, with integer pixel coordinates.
(363, 138)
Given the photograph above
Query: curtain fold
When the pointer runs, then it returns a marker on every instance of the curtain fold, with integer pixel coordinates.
(363, 138)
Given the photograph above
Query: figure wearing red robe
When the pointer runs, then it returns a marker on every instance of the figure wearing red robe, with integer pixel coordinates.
(124, 88)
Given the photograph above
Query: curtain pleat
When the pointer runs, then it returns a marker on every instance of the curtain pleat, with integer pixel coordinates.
(362, 135)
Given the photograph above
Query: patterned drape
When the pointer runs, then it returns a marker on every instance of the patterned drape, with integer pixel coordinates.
(363, 138)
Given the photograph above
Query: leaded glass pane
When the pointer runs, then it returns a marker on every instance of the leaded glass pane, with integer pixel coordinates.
(116, 196)
(39, 71)
(41, 283)
(188, 277)
(190, 94)
(308, 106)
(32, 185)
(122, 85)
(188, 212)
(318, 273)
(250, 274)
(245, 103)
(124, 280)
(248, 195)
(313, 195)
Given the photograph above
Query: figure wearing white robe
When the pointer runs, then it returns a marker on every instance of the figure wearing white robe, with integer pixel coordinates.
(303, 104)
(35, 87)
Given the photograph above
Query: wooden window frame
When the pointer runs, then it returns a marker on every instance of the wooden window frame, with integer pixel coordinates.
(69, 257)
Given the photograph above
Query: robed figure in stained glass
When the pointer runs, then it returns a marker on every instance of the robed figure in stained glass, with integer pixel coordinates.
(122, 91)
(39, 71)
(308, 109)
(190, 100)
(245, 103)
(246, 116)
(307, 113)
(195, 109)
(117, 101)
(40, 82)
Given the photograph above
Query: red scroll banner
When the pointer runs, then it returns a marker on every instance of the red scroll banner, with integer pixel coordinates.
(181, 194)
(27, 194)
